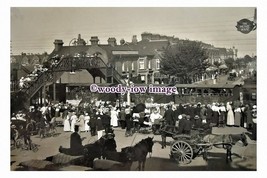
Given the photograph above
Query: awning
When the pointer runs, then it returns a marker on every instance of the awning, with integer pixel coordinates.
(223, 66)
(211, 68)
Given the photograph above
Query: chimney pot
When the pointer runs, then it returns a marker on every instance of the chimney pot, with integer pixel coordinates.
(94, 40)
(58, 44)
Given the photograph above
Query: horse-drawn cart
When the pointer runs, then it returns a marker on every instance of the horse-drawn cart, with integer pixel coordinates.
(186, 147)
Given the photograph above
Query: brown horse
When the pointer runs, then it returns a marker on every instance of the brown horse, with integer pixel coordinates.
(226, 142)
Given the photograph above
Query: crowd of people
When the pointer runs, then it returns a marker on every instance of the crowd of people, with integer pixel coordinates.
(25, 82)
(98, 118)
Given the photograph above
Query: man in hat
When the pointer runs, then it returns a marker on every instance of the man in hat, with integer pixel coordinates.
(76, 141)
(185, 125)
(76, 147)
(106, 120)
(198, 122)
(169, 116)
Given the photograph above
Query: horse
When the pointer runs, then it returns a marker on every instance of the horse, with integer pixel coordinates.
(99, 149)
(226, 142)
(139, 151)
(92, 151)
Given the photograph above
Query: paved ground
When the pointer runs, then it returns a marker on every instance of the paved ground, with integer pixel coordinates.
(244, 158)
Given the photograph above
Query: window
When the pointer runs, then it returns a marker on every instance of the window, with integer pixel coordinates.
(132, 65)
(141, 64)
(142, 78)
(123, 67)
(149, 64)
(157, 64)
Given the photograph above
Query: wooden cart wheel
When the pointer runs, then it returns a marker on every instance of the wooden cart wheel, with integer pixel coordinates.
(34, 147)
(182, 152)
(19, 143)
(16, 134)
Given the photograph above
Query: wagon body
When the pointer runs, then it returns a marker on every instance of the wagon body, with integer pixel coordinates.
(185, 147)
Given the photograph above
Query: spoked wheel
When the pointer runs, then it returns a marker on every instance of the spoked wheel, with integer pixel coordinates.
(19, 143)
(182, 152)
(34, 147)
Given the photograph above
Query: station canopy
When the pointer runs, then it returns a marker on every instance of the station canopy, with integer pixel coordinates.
(223, 66)
(211, 68)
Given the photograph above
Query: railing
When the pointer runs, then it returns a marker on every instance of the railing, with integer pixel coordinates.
(43, 78)
(68, 64)
(25, 69)
(73, 63)
(111, 72)
(38, 83)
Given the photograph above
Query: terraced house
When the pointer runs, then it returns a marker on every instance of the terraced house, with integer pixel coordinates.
(76, 64)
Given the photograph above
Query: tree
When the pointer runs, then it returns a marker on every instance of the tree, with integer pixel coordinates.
(229, 63)
(241, 63)
(184, 60)
(217, 64)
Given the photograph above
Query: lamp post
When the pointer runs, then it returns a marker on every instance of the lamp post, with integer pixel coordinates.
(128, 83)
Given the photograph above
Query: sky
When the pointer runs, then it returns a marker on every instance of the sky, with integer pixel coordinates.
(34, 29)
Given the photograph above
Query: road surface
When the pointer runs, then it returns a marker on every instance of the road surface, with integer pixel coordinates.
(244, 158)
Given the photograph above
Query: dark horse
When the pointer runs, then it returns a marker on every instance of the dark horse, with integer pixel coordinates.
(139, 151)
(98, 149)
(226, 142)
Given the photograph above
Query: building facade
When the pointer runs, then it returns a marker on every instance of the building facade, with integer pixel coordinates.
(138, 60)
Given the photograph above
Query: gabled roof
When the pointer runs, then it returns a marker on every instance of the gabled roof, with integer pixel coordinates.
(149, 48)
(142, 48)
(70, 50)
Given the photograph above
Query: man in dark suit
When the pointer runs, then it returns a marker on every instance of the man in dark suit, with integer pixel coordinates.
(106, 121)
(169, 116)
(76, 147)
(185, 125)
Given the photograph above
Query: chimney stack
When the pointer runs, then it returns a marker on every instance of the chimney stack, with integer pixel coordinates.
(94, 40)
(58, 44)
(155, 37)
(146, 36)
(134, 39)
(112, 41)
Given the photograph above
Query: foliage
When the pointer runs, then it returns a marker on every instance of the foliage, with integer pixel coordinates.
(217, 64)
(18, 101)
(184, 60)
(229, 62)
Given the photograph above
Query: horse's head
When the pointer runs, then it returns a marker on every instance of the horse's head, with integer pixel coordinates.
(239, 137)
(243, 138)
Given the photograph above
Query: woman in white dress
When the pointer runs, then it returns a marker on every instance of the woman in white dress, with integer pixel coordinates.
(73, 121)
(81, 124)
(86, 121)
(230, 115)
(114, 117)
(67, 124)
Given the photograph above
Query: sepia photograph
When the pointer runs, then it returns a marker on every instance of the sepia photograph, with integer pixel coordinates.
(133, 89)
